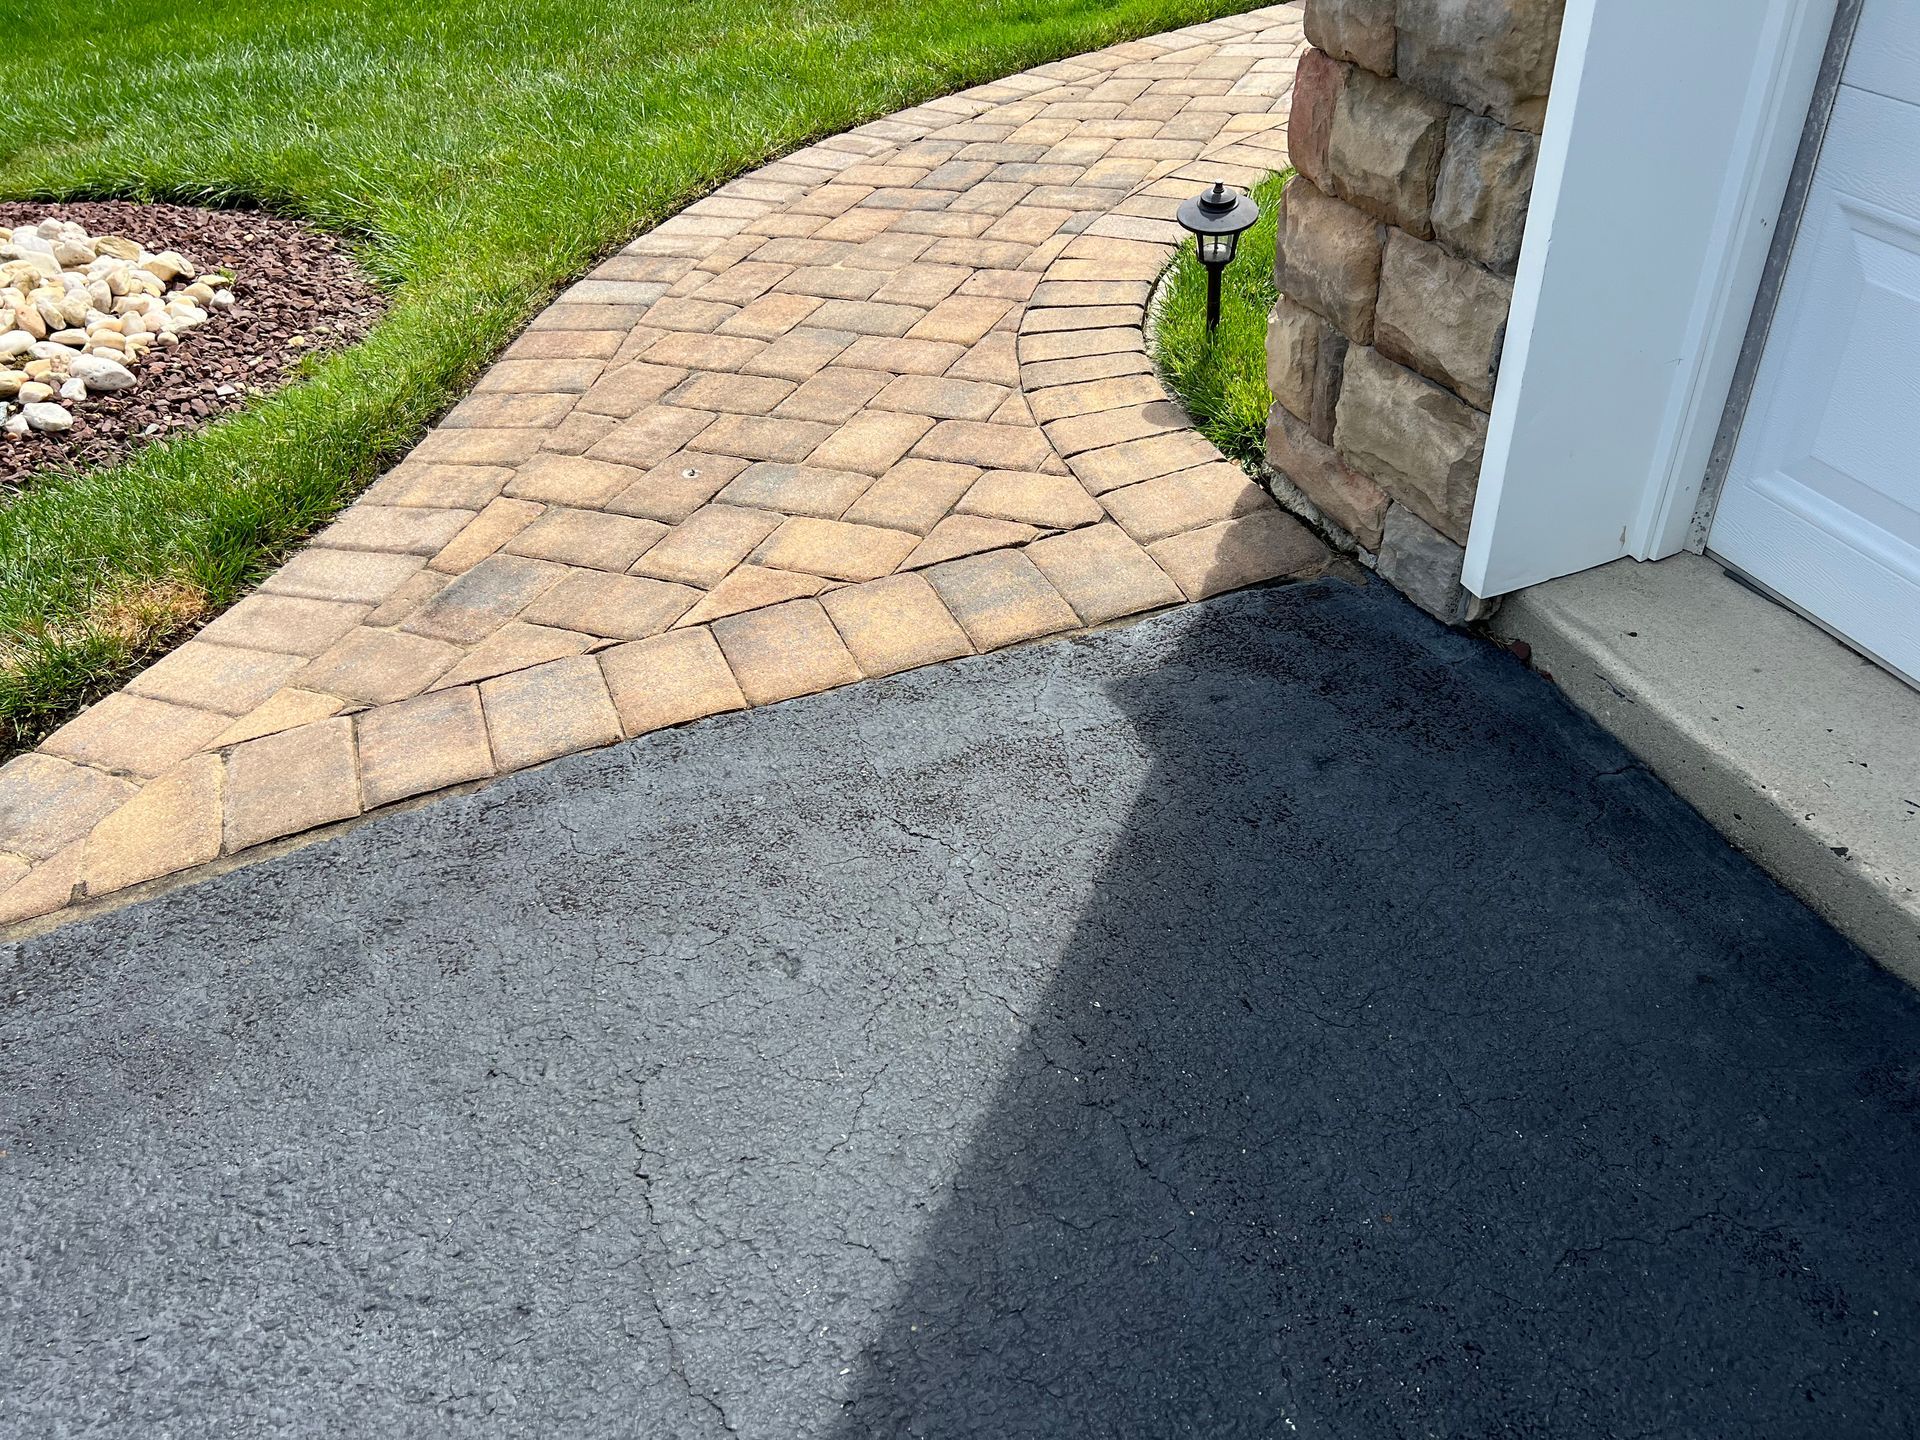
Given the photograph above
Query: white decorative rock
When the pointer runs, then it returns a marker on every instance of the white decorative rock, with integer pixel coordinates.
(102, 376)
(15, 342)
(48, 417)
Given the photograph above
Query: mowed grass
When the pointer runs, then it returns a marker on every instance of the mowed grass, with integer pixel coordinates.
(480, 153)
(1222, 378)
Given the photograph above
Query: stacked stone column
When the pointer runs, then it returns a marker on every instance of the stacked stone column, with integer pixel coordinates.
(1414, 128)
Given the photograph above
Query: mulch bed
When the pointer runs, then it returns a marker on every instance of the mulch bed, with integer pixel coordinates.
(297, 292)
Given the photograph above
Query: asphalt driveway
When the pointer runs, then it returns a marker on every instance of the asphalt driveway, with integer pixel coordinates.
(1278, 1017)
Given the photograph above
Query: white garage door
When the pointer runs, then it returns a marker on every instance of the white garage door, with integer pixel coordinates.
(1822, 503)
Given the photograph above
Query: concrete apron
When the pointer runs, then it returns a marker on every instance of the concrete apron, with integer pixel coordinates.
(1803, 753)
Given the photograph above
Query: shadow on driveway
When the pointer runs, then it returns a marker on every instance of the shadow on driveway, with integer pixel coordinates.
(1422, 1066)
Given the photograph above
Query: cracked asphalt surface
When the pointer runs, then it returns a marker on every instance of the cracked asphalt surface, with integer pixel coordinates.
(1278, 1017)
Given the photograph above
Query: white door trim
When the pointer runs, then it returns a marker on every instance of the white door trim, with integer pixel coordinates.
(1669, 141)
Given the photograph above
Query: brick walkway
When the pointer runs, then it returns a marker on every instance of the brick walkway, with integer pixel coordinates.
(882, 403)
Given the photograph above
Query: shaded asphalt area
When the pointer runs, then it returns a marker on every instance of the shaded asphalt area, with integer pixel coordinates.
(1277, 1017)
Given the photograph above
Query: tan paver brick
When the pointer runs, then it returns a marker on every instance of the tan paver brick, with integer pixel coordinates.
(442, 487)
(398, 529)
(551, 710)
(567, 480)
(589, 538)
(361, 577)
(733, 394)
(516, 645)
(52, 885)
(485, 598)
(1155, 509)
(516, 375)
(1055, 502)
(490, 529)
(1114, 427)
(771, 316)
(1045, 374)
(992, 447)
(796, 489)
(799, 353)
(565, 344)
(627, 391)
(378, 666)
(872, 442)
(992, 361)
(1000, 598)
(172, 824)
(961, 319)
(477, 447)
(959, 535)
(901, 356)
(285, 623)
(676, 487)
(510, 412)
(756, 437)
(293, 781)
(750, 587)
(1103, 574)
(422, 745)
(941, 398)
(284, 710)
(1264, 545)
(705, 546)
(215, 677)
(784, 651)
(833, 396)
(895, 624)
(643, 442)
(1065, 402)
(46, 803)
(868, 317)
(622, 607)
(1076, 344)
(684, 351)
(835, 549)
(408, 598)
(669, 680)
(914, 495)
(1137, 460)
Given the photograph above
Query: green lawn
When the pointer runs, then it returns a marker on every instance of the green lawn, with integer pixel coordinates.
(1222, 378)
(480, 153)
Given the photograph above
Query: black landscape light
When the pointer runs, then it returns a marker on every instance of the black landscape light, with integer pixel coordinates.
(1217, 218)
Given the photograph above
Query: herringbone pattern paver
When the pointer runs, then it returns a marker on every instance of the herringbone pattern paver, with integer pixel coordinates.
(882, 403)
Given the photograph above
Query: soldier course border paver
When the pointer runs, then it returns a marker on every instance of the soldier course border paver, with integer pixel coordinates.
(882, 403)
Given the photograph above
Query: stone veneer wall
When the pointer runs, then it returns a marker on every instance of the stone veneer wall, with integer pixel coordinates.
(1414, 128)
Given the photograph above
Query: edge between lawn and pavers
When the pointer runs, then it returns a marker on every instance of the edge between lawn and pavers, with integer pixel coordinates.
(882, 403)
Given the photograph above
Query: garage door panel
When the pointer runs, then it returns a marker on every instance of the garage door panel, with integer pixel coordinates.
(1822, 502)
(1886, 51)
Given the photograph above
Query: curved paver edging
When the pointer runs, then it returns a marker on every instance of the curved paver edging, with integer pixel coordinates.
(882, 403)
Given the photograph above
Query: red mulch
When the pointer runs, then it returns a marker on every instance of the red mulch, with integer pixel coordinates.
(290, 282)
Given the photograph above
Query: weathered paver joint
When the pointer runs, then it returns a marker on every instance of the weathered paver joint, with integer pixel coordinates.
(880, 404)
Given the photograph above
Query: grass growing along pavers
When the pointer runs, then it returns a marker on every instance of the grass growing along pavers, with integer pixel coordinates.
(1222, 378)
(480, 155)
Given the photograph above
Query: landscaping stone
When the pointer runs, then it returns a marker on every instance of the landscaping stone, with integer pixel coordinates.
(1492, 56)
(1329, 258)
(1420, 442)
(1383, 150)
(1444, 317)
(1424, 565)
(1480, 198)
(1356, 30)
(1345, 496)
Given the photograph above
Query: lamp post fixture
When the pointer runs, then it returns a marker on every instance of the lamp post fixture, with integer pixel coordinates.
(1217, 218)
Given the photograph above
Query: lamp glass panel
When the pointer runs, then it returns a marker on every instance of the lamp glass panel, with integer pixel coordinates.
(1217, 249)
